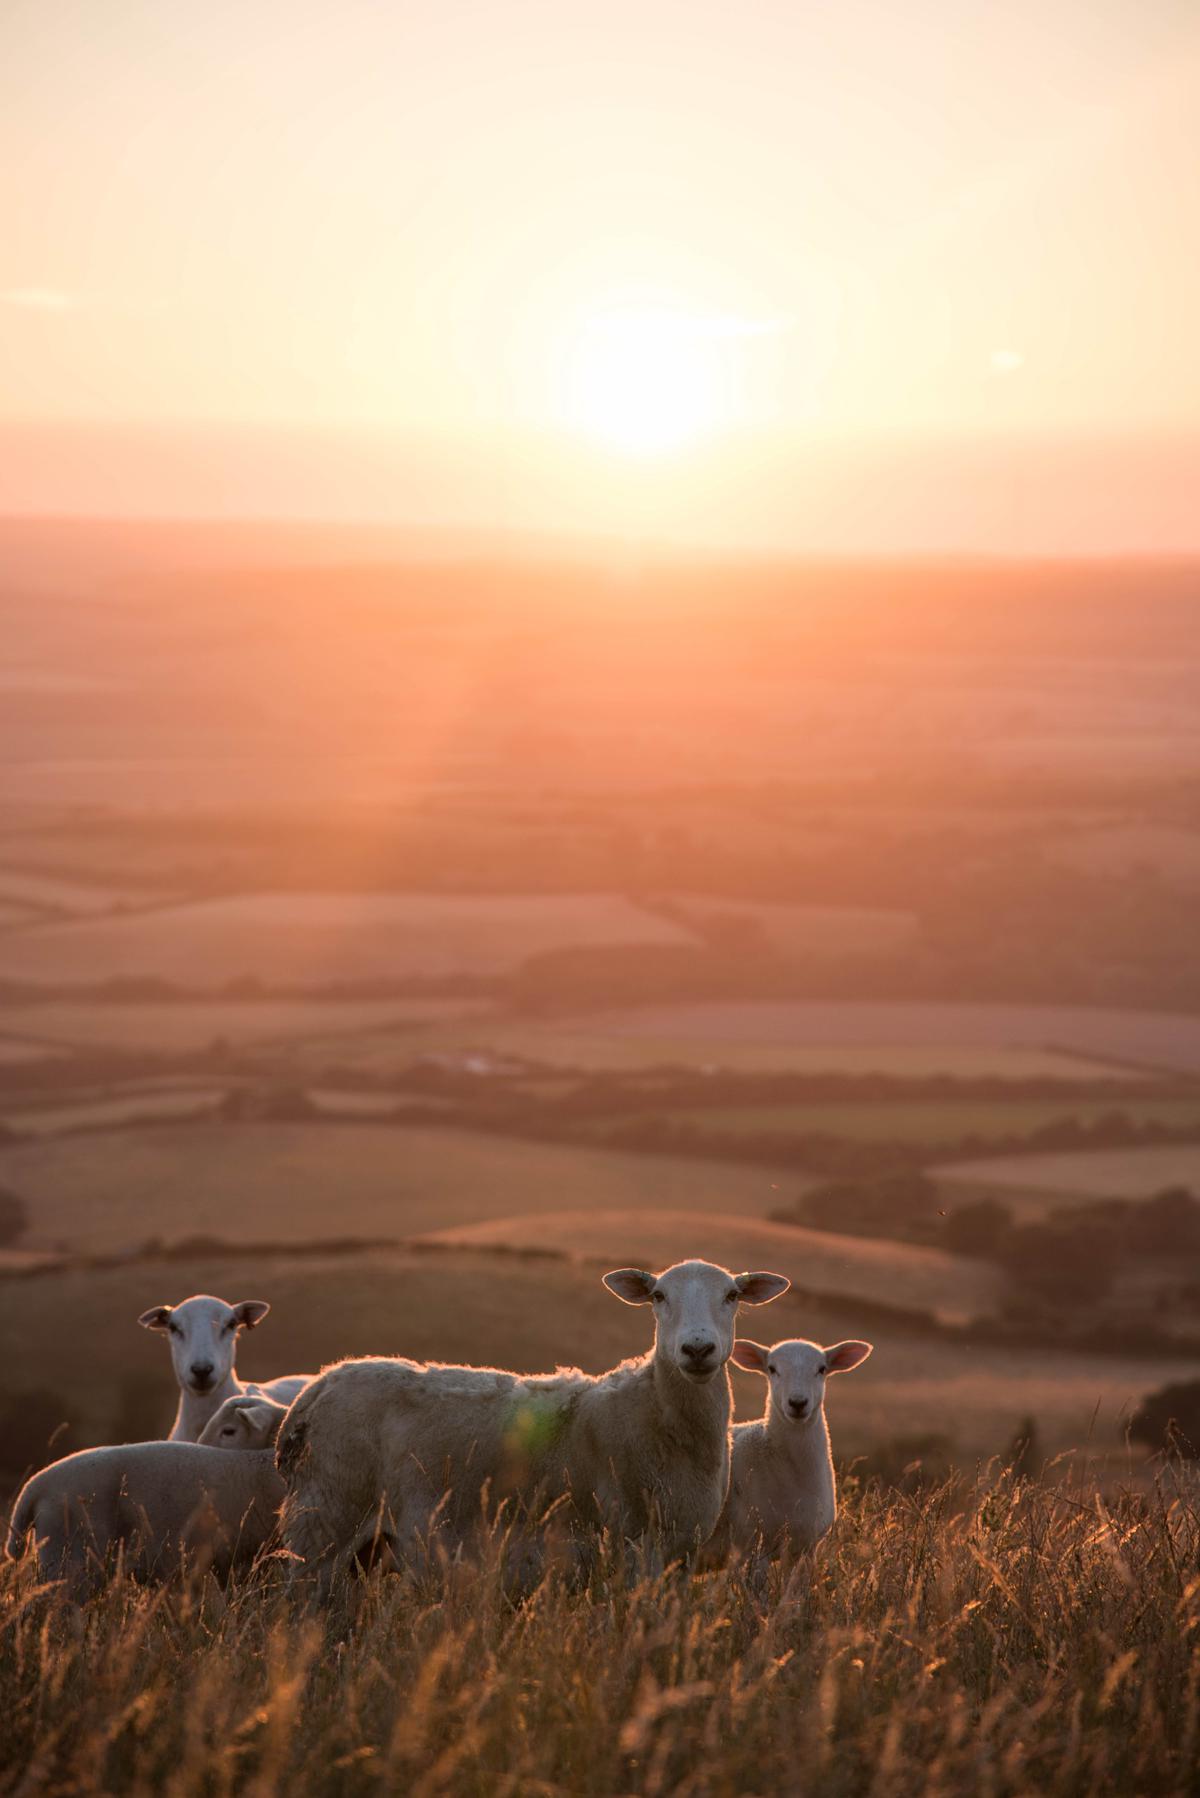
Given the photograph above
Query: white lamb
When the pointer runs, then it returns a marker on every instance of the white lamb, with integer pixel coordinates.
(167, 1505)
(782, 1487)
(203, 1334)
(248, 1421)
(373, 1449)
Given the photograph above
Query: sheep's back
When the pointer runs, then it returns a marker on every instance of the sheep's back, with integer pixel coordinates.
(158, 1499)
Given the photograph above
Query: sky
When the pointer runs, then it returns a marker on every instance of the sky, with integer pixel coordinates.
(867, 275)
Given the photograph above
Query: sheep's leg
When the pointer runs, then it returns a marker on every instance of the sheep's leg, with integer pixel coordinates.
(310, 1582)
(322, 1545)
(72, 1560)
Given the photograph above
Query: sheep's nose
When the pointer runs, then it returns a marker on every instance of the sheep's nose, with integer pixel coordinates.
(798, 1407)
(202, 1370)
(699, 1352)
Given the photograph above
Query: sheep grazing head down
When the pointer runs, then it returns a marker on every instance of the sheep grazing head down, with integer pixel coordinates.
(796, 1372)
(695, 1310)
(203, 1334)
(244, 1422)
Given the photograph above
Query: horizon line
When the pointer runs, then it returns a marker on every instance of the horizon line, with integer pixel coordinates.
(572, 541)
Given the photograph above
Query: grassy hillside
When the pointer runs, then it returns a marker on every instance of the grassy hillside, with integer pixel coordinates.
(1042, 1182)
(992, 1641)
(906, 1041)
(933, 1122)
(891, 1272)
(180, 1026)
(313, 939)
(272, 1182)
(1159, 1038)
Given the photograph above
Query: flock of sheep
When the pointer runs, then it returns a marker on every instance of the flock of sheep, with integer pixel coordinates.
(373, 1460)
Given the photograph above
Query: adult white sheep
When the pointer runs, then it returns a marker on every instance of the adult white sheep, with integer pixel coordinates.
(372, 1449)
(168, 1505)
(782, 1486)
(203, 1335)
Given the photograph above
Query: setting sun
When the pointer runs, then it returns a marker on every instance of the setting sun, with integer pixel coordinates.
(646, 380)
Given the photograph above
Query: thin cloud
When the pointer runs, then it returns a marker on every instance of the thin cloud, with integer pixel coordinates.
(1006, 362)
(39, 299)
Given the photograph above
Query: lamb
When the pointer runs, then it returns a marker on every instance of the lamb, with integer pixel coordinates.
(203, 1333)
(782, 1488)
(168, 1505)
(374, 1450)
(248, 1421)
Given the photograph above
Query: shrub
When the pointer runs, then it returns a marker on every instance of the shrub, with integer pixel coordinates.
(1170, 1419)
(895, 1204)
(280, 1104)
(982, 1229)
(14, 1217)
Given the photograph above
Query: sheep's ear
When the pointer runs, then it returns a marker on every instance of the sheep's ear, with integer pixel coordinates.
(631, 1284)
(264, 1418)
(750, 1355)
(760, 1289)
(156, 1318)
(845, 1355)
(250, 1312)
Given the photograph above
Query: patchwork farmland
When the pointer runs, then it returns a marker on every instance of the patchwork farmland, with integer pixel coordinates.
(616, 971)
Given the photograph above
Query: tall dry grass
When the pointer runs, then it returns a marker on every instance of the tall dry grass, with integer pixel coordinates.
(1004, 1638)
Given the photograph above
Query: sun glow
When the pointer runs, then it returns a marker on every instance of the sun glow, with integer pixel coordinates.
(646, 380)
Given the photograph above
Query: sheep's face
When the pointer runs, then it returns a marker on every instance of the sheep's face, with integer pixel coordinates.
(796, 1373)
(243, 1423)
(695, 1310)
(203, 1335)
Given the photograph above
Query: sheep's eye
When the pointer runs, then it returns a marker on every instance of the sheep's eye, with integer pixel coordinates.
(822, 1368)
(230, 1325)
(174, 1330)
(229, 1430)
(658, 1298)
(731, 1298)
(771, 1367)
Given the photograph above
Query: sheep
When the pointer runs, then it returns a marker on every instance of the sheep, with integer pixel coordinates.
(203, 1333)
(374, 1450)
(248, 1421)
(166, 1504)
(782, 1488)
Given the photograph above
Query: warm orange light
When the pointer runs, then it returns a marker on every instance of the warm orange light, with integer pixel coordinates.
(646, 380)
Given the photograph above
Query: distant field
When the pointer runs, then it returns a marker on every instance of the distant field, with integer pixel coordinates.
(183, 1026)
(271, 1181)
(797, 931)
(930, 1121)
(532, 1315)
(120, 854)
(1163, 1039)
(356, 1104)
(1041, 1181)
(312, 939)
(52, 891)
(597, 1047)
(16, 1050)
(13, 915)
(165, 1101)
(894, 1273)
(1129, 848)
(978, 1396)
(105, 1114)
(385, 1036)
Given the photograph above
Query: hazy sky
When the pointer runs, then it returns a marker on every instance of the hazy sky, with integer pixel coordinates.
(628, 234)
